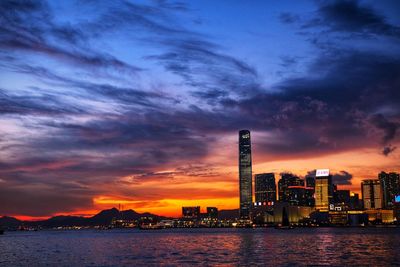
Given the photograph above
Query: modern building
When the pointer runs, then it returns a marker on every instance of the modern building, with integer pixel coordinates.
(380, 216)
(390, 183)
(309, 199)
(371, 194)
(396, 208)
(296, 195)
(342, 198)
(295, 214)
(212, 212)
(245, 175)
(288, 180)
(191, 212)
(310, 181)
(265, 189)
(310, 191)
(323, 190)
(355, 203)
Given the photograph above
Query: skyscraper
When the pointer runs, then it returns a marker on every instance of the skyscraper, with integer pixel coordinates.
(390, 183)
(323, 190)
(245, 176)
(371, 194)
(265, 188)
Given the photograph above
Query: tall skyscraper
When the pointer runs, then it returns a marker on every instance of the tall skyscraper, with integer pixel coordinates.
(245, 175)
(390, 183)
(371, 194)
(265, 188)
(323, 190)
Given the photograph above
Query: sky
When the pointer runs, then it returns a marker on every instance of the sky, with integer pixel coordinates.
(139, 103)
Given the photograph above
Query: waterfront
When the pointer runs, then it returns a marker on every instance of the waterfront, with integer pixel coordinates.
(262, 246)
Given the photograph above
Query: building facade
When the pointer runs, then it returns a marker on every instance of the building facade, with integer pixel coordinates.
(265, 188)
(245, 175)
(288, 180)
(390, 183)
(191, 212)
(371, 191)
(323, 190)
(212, 212)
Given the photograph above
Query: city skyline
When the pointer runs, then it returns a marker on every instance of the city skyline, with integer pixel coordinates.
(139, 103)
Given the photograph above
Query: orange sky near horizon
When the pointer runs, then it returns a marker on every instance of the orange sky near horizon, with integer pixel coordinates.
(166, 196)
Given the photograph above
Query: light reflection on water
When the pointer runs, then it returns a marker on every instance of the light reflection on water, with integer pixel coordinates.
(223, 247)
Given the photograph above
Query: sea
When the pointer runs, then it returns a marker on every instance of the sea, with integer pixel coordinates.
(203, 247)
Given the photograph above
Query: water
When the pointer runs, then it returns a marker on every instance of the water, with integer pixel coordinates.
(222, 247)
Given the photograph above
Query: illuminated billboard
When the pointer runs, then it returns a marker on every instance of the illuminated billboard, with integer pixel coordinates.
(397, 199)
(322, 173)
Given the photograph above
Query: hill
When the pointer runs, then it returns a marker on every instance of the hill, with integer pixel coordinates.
(103, 218)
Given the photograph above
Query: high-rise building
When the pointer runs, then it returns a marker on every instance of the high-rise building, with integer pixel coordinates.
(371, 194)
(390, 183)
(245, 175)
(287, 180)
(323, 190)
(265, 188)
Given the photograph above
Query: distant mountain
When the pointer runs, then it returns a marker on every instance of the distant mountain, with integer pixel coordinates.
(104, 218)
(9, 222)
(228, 214)
(61, 221)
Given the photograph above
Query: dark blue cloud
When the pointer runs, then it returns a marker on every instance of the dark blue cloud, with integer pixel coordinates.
(342, 178)
(352, 18)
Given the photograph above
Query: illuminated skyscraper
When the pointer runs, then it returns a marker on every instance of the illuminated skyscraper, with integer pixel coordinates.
(371, 194)
(390, 183)
(265, 188)
(323, 190)
(245, 176)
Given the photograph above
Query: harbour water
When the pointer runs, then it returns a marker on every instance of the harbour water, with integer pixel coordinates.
(204, 247)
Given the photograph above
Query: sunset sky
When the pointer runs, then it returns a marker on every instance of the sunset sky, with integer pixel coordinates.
(139, 103)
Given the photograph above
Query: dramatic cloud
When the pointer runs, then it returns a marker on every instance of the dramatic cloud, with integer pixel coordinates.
(342, 178)
(101, 101)
(345, 16)
(352, 16)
